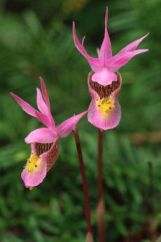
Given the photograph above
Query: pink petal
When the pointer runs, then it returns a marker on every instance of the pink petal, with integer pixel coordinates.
(133, 45)
(104, 77)
(44, 108)
(32, 179)
(121, 59)
(41, 135)
(106, 50)
(43, 119)
(101, 122)
(30, 110)
(41, 104)
(93, 62)
(66, 127)
(44, 92)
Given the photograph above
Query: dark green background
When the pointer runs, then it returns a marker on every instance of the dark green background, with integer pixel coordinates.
(36, 40)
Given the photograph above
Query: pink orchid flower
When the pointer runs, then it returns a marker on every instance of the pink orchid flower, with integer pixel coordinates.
(104, 82)
(44, 141)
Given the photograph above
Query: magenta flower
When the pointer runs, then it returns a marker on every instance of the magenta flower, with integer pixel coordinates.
(44, 141)
(104, 81)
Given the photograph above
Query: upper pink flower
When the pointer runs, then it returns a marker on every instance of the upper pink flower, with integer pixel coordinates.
(44, 141)
(104, 82)
(106, 65)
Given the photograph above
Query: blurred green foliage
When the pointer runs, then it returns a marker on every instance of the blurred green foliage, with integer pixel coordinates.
(35, 40)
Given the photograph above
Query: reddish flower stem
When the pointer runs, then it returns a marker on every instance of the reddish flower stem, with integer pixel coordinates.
(100, 205)
(89, 237)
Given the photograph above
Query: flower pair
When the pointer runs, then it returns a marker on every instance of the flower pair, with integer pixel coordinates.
(44, 141)
(104, 112)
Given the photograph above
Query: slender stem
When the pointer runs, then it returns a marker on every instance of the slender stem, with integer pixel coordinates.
(100, 165)
(85, 186)
(151, 188)
(100, 205)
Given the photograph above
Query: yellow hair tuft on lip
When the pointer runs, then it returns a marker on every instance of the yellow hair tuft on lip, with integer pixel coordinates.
(33, 163)
(105, 106)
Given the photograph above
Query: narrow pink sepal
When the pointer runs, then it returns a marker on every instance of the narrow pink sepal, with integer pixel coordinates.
(66, 127)
(121, 59)
(133, 45)
(93, 62)
(105, 50)
(101, 122)
(44, 92)
(27, 108)
(41, 135)
(32, 179)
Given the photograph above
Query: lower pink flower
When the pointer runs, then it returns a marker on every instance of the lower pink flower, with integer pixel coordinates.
(44, 141)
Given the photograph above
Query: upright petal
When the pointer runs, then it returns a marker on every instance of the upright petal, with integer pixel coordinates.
(106, 50)
(41, 103)
(43, 119)
(44, 92)
(66, 127)
(121, 59)
(93, 62)
(133, 45)
(41, 135)
(44, 108)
